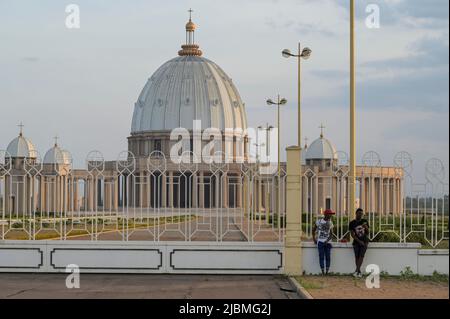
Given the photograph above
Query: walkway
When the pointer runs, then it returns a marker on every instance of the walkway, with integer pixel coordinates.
(39, 286)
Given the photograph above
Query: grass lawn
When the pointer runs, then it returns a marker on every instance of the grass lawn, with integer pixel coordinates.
(87, 227)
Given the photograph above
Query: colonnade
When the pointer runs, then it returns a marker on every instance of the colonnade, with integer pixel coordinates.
(202, 189)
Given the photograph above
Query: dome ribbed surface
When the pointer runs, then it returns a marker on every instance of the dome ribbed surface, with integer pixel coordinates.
(185, 89)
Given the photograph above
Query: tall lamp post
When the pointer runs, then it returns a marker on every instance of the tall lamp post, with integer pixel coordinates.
(352, 179)
(302, 54)
(258, 146)
(267, 130)
(279, 103)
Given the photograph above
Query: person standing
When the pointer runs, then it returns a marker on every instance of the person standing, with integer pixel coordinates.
(359, 229)
(322, 235)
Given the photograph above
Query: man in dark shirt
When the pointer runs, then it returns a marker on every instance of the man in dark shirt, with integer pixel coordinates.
(359, 229)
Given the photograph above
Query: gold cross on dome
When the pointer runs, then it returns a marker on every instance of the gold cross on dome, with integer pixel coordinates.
(56, 140)
(190, 14)
(21, 128)
(321, 129)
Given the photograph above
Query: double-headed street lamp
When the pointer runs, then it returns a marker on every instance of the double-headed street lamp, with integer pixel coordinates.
(302, 54)
(267, 130)
(258, 146)
(280, 102)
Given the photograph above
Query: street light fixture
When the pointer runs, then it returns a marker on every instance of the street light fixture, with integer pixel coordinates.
(352, 175)
(305, 54)
(279, 103)
(267, 129)
(302, 54)
(258, 146)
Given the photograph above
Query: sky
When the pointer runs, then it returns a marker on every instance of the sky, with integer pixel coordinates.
(81, 84)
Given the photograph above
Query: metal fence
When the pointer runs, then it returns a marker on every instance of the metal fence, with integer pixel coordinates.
(155, 199)
(139, 199)
(398, 208)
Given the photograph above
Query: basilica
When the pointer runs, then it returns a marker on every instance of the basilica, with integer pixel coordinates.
(183, 90)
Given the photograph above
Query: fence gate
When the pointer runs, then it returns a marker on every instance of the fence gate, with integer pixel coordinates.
(140, 215)
(151, 215)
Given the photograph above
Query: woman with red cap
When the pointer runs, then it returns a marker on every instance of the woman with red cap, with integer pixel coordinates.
(322, 235)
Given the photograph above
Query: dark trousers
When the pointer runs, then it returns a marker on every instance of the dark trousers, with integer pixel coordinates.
(324, 255)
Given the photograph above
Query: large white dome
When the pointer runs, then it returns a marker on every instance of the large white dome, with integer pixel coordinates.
(21, 147)
(185, 89)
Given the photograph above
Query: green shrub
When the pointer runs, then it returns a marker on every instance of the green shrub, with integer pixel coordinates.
(407, 273)
(417, 238)
(387, 237)
(17, 225)
(439, 277)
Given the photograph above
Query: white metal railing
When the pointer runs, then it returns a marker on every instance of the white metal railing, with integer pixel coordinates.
(139, 199)
(397, 208)
(156, 200)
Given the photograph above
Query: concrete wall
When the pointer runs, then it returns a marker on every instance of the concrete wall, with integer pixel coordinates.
(206, 257)
(390, 257)
(430, 261)
(141, 257)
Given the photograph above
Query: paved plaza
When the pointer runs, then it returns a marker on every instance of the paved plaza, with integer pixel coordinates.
(93, 286)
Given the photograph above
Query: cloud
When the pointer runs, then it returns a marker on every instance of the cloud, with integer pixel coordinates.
(330, 73)
(31, 59)
(310, 28)
(435, 9)
(424, 53)
(412, 13)
(417, 81)
(302, 28)
(427, 91)
(86, 82)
